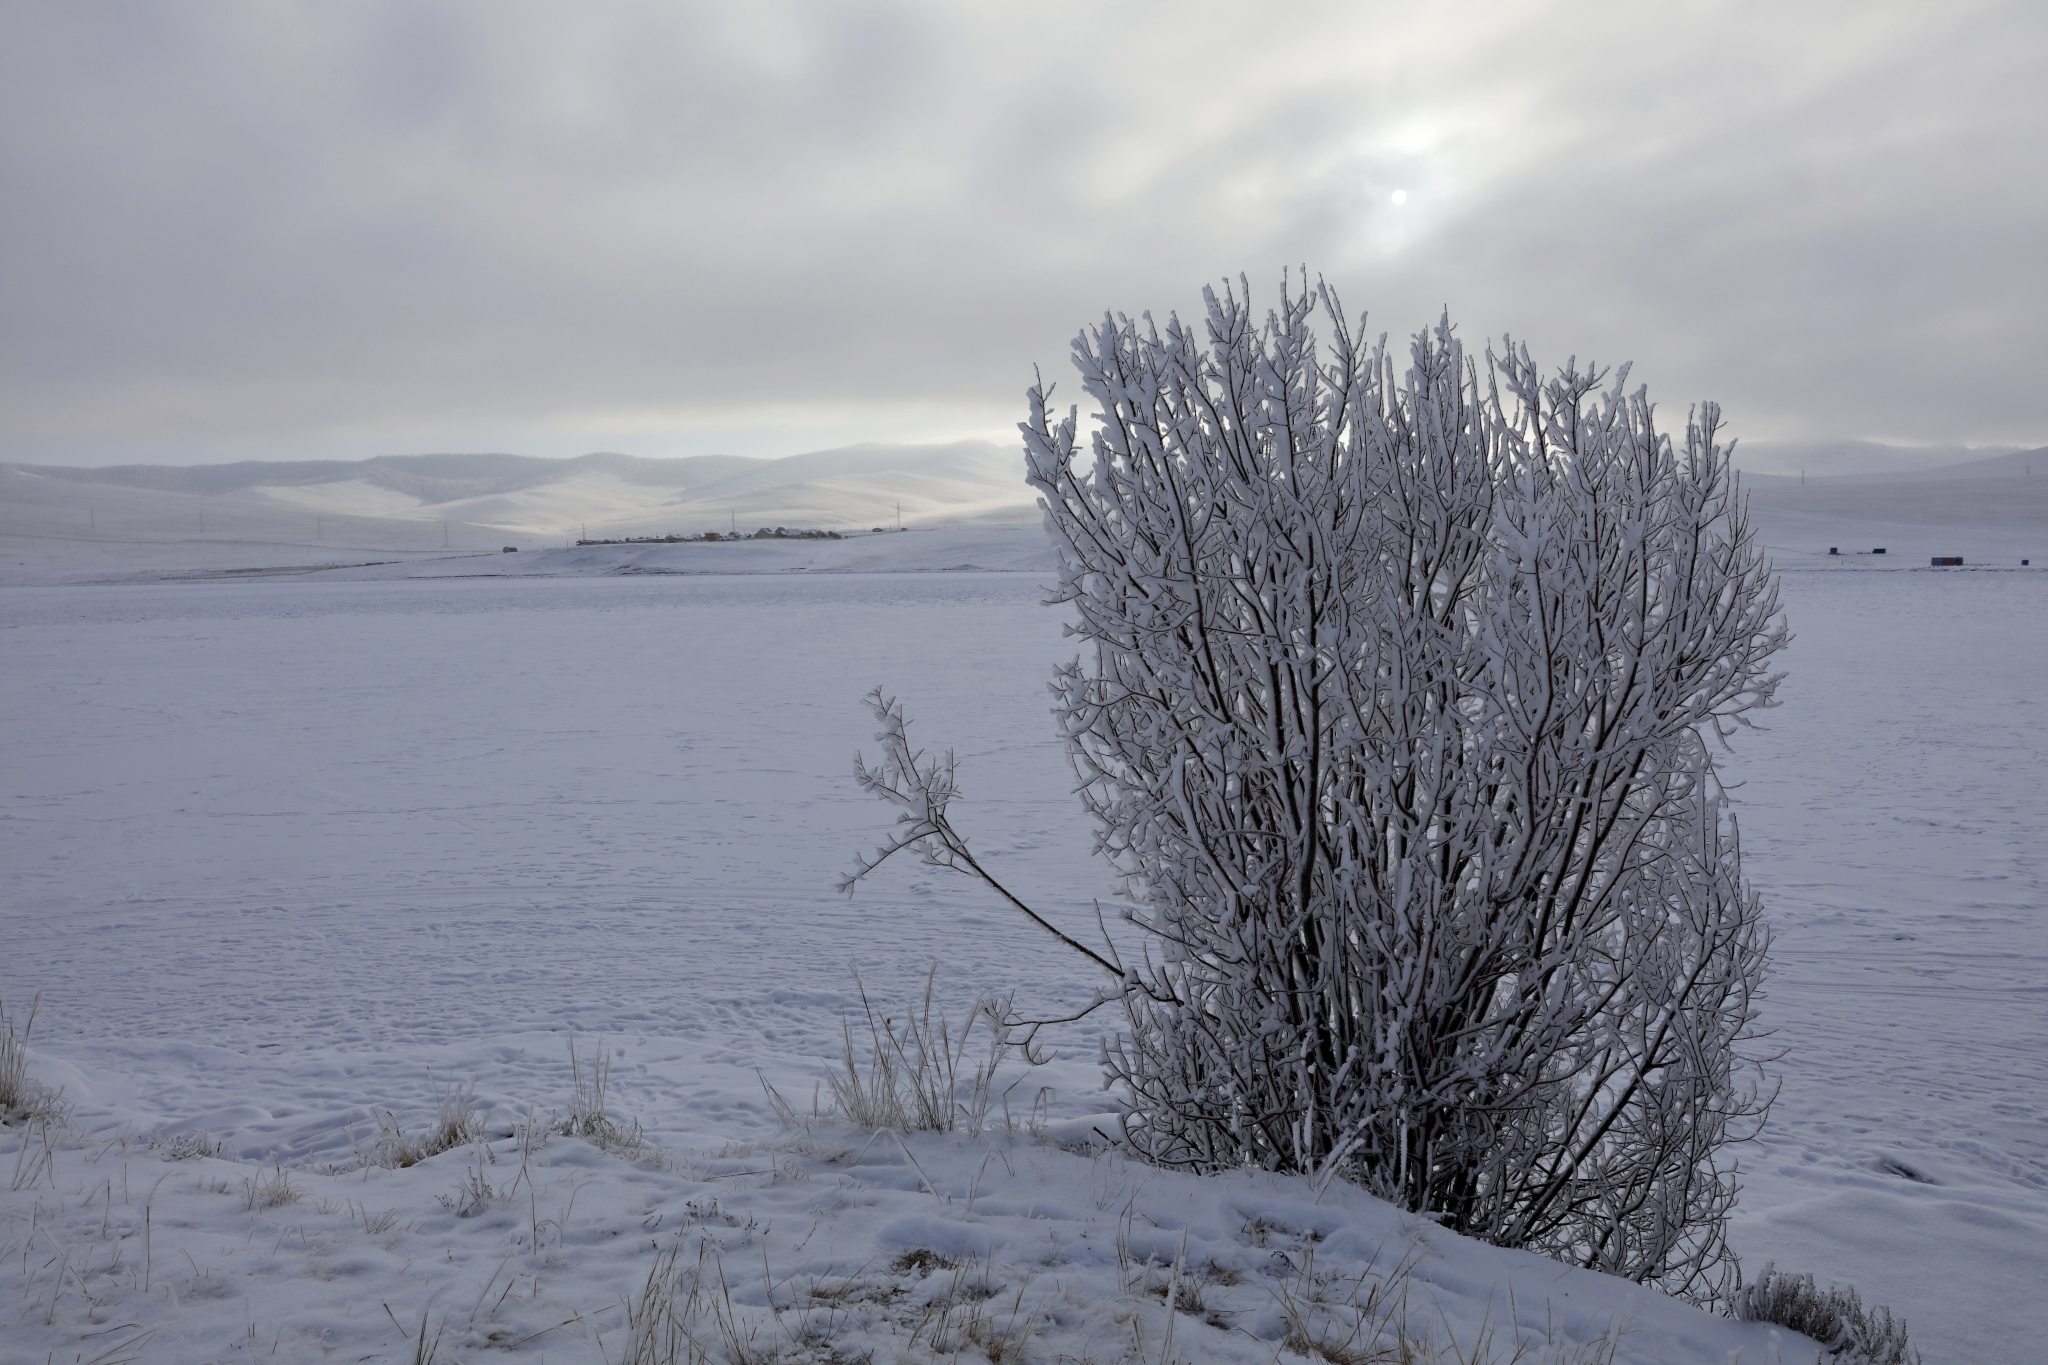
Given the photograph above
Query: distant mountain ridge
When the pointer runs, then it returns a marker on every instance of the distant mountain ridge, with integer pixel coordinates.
(67, 521)
(607, 494)
(430, 478)
(439, 478)
(1868, 459)
(2016, 465)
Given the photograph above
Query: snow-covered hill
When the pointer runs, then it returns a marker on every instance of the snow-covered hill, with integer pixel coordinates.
(72, 525)
(1863, 459)
(605, 495)
(68, 524)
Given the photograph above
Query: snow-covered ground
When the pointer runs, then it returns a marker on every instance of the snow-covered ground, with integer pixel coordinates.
(287, 852)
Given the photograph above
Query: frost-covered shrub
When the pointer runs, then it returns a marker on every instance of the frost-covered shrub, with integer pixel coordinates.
(1394, 722)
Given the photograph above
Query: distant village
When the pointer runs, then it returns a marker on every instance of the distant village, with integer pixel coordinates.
(765, 533)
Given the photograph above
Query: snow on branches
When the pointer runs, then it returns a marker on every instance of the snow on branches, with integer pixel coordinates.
(1395, 726)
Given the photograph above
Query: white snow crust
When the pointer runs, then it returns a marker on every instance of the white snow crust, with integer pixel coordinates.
(289, 851)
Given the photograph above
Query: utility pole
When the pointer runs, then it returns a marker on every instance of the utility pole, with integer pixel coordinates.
(899, 516)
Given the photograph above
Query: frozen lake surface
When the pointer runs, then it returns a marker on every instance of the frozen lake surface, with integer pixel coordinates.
(275, 849)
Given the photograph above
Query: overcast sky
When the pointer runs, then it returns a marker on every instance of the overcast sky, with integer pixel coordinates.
(275, 230)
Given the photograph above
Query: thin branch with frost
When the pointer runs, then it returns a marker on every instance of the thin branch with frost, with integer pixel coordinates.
(923, 791)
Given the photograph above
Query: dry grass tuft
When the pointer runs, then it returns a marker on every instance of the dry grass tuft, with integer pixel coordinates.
(918, 1076)
(919, 1261)
(1000, 1333)
(684, 1314)
(269, 1191)
(457, 1120)
(1836, 1318)
(191, 1146)
(1356, 1319)
(426, 1349)
(589, 1116)
(658, 1327)
(36, 1159)
(23, 1100)
(476, 1192)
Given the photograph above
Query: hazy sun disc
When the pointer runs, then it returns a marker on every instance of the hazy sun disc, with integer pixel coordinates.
(1400, 196)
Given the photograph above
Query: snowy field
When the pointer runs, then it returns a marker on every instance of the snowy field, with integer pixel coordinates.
(286, 853)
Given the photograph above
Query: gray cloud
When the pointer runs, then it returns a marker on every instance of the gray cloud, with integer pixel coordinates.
(283, 230)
